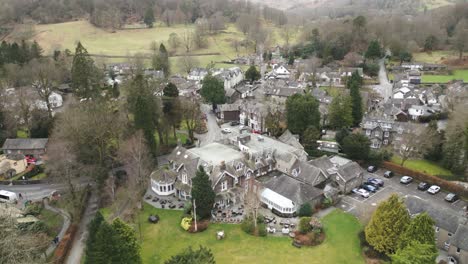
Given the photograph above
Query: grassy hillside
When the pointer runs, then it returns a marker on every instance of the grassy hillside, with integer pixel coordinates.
(435, 56)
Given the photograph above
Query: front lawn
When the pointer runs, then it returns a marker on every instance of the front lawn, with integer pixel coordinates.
(162, 240)
(457, 75)
(423, 165)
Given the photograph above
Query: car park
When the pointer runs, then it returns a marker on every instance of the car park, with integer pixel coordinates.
(406, 179)
(361, 192)
(226, 130)
(423, 186)
(451, 197)
(388, 174)
(433, 189)
(369, 187)
(375, 182)
(372, 169)
(234, 123)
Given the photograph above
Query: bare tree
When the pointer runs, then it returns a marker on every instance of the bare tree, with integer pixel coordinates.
(188, 62)
(288, 32)
(187, 40)
(410, 145)
(244, 22)
(461, 37)
(190, 116)
(174, 41)
(252, 199)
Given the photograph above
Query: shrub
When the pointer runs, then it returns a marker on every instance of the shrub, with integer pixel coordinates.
(262, 230)
(316, 224)
(304, 225)
(248, 226)
(186, 222)
(37, 227)
(201, 226)
(305, 210)
(327, 202)
(35, 171)
(34, 209)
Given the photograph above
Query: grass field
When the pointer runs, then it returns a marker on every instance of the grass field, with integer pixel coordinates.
(457, 75)
(423, 166)
(435, 56)
(162, 240)
(127, 42)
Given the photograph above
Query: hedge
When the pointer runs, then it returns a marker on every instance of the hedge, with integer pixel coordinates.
(444, 184)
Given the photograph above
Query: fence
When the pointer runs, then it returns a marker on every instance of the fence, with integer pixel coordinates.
(65, 244)
(444, 184)
(25, 182)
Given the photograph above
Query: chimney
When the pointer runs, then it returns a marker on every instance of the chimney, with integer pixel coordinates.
(223, 165)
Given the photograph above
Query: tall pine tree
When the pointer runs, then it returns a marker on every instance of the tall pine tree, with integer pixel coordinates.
(84, 74)
(420, 229)
(415, 253)
(202, 194)
(354, 85)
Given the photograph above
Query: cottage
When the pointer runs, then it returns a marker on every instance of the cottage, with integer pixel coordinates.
(197, 74)
(25, 146)
(231, 77)
(228, 112)
(379, 131)
(12, 164)
(246, 90)
(278, 72)
(55, 101)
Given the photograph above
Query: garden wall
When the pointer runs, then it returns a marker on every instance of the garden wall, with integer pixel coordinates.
(444, 184)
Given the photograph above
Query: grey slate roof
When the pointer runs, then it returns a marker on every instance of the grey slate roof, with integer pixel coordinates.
(228, 107)
(350, 171)
(290, 139)
(25, 143)
(460, 239)
(292, 189)
(444, 218)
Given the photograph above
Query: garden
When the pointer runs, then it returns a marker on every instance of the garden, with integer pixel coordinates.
(167, 238)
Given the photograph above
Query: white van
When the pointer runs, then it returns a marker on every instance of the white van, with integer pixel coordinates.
(8, 197)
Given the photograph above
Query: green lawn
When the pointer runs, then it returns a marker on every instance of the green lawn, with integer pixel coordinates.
(162, 240)
(422, 165)
(39, 176)
(435, 56)
(457, 74)
(52, 220)
(332, 91)
(20, 133)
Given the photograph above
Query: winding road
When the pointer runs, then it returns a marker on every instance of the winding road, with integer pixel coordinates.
(214, 131)
(384, 88)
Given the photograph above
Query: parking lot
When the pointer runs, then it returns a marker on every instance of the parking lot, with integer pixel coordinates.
(363, 207)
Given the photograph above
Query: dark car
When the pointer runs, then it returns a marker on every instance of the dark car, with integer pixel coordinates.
(369, 187)
(372, 169)
(451, 197)
(234, 123)
(422, 186)
(388, 174)
(375, 182)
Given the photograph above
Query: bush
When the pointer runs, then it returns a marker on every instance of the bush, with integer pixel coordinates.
(37, 227)
(304, 225)
(305, 210)
(201, 226)
(34, 209)
(316, 224)
(248, 226)
(327, 202)
(185, 223)
(35, 171)
(262, 230)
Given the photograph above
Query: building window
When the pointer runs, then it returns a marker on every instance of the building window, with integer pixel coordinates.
(437, 229)
(239, 166)
(449, 234)
(385, 141)
(458, 250)
(184, 178)
(224, 185)
(386, 134)
(296, 172)
(368, 132)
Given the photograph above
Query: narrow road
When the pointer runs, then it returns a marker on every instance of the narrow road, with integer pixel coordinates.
(384, 88)
(79, 244)
(214, 131)
(66, 224)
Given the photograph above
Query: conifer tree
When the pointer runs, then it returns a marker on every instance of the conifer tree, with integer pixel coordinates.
(420, 229)
(203, 194)
(84, 75)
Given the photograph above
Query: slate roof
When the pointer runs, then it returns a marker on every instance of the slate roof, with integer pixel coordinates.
(308, 173)
(292, 189)
(444, 218)
(228, 107)
(350, 171)
(25, 143)
(164, 175)
(460, 239)
(290, 139)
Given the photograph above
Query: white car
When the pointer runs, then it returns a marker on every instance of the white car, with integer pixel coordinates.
(361, 192)
(226, 130)
(406, 179)
(433, 189)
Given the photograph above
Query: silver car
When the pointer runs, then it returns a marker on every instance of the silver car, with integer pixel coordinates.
(406, 179)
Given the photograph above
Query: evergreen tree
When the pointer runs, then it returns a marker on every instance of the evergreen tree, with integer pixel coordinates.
(454, 148)
(252, 74)
(36, 50)
(431, 43)
(170, 90)
(84, 75)
(374, 51)
(340, 112)
(203, 194)
(356, 146)
(389, 221)
(420, 229)
(93, 229)
(213, 91)
(171, 106)
(126, 243)
(104, 246)
(149, 17)
(415, 253)
(433, 142)
(302, 111)
(341, 135)
(305, 210)
(189, 256)
(163, 61)
(309, 139)
(354, 84)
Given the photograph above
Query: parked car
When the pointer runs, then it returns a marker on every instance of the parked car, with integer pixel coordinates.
(388, 174)
(375, 181)
(372, 169)
(422, 186)
(451, 197)
(433, 189)
(234, 123)
(369, 187)
(30, 159)
(361, 192)
(226, 130)
(406, 179)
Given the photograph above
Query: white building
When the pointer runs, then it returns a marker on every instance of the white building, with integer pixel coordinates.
(163, 181)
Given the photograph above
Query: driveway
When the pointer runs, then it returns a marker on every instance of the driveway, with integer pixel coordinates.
(363, 207)
(384, 88)
(214, 131)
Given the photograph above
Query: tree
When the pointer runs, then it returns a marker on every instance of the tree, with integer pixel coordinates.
(190, 111)
(461, 37)
(309, 139)
(174, 41)
(415, 253)
(405, 56)
(288, 32)
(274, 123)
(187, 40)
(340, 112)
(36, 50)
(388, 222)
(170, 90)
(128, 247)
(188, 62)
(305, 210)
(302, 112)
(455, 157)
(252, 201)
(356, 146)
(411, 144)
(202, 194)
(432, 142)
(244, 22)
(93, 228)
(374, 51)
(420, 229)
(252, 74)
(188, 256)
(171, 106)
(431, 43)
(149, 17)
(354, 84)
(341, 135)
(160, 60)
(213, 91)
(84, 74)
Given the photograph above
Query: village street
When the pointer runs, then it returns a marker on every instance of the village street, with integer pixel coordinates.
(384, 88)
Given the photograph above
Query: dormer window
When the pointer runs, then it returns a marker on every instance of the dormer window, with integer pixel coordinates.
(184, 178)
(239, 166)
(296, 172)
(224, 185)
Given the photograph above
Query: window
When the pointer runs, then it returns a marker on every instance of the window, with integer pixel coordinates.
(387, 134)
(296, 172)
(249, 174)
(458, 250)
(449, 234)
(385, 141)
(239, 166)
(368, 132)
(184, 178)
(224, 185)
(437, 229)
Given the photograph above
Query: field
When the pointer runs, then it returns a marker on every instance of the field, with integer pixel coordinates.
(457, 74)
(127, 42)
(162, 240)
(423, 166)
(435, 56)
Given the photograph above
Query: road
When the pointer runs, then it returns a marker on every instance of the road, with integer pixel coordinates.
(384, 88)
(214, 131)
(66, 224)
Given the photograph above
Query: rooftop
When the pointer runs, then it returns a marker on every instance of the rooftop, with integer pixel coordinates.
(215, 153)
(25, 143)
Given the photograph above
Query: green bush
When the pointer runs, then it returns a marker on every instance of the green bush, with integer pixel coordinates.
(304, 225)
(262, 230)
(327, 202)
(305, 210)
(248, 226)
(34, 209)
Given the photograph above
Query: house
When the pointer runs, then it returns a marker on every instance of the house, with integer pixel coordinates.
(281, 94)
(394, 113)
(253, 114)
(228, 112)
(12, 164)
(230, 77)
(328, 146)
(197, 74)
(246, 90)
(451, 229)
(412, 66)
(25, 146)
(434, 67)
(163, 181)
(278, 72)
(414, 76)
(417, 111)
(380, 131)
(231, 95)
(55, 101)
(285, 195)
(154, 74)
(288, 138)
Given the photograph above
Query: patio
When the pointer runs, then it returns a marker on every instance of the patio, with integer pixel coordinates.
(164, 202)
